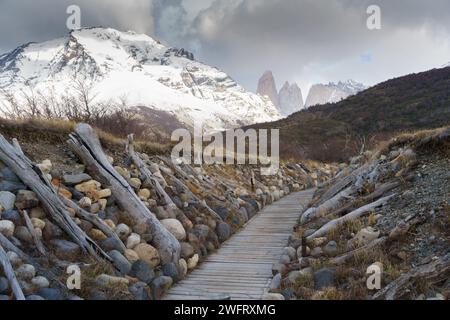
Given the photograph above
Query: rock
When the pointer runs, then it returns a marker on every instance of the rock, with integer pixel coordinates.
(291, 252)
(97, 295)
(140, 291)
(223, 231)
(88, 187)
(120, 262)
(187, 250)
(66, 249)
(131, 255)
(331, 249)
(316, 252)
(317, 242)
(104, 193)
(272, 296)
(133, 240)
(161, 213)
(40, 282)
(122, 230)
(51, 231)
(366, 235)
(288, 294)
(74, 179)
(160, 286)
(293, 276)
(26, 199)
(182, 268)
(106, 280)
(85, 202)
(97, 235)
(37, 212)
(192, 262)
(275, 284)
(284, 259)
(144, 194)
(303, 262)
(123, 172)
(175, 227)
(171, 270)
(35, 297)
(300, 249)
(65, 193)
(11, 215)
(7, 228)
(14, 259)
(324, 278)
(143, 271)
(4, 285)
(25, 272)
(222, 212)
(110, 224)
(135, 183)
(110, 244)
(23, 234)
(45, 166)
(278, 268)
(7, 200)
(38, 223)
(7, 174)
(147, 253)
(11, 186)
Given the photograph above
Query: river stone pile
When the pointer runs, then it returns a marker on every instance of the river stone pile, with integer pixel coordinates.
(234, 193)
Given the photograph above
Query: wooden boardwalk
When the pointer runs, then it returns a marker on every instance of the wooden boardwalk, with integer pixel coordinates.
(242, 268)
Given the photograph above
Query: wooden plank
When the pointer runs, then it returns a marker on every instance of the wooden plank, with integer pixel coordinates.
(242, 267)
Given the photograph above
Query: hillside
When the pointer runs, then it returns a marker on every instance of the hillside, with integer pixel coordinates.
(334, 132)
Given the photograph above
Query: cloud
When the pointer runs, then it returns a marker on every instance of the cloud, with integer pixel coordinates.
(300, 40)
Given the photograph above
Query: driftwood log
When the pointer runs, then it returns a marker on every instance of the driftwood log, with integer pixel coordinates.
(9, 272)
(31, 175)
(333, 224)
(36, 239)
(433, 272)
(86, 144)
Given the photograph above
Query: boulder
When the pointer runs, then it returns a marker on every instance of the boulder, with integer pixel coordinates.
(25, 272)
(7, 200)
(192, 262)
(160, 286)
(324, 278)
(7, 228)
(142, 271)
(11, 215)
(74, 179)
(187, 250)
(50, 294)
(223, 231)
(133, 240)
(66, 249)
(175, 227)
(147, 253)
(120, 262)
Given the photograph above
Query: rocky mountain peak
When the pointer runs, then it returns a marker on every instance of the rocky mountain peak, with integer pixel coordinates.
(290, 99)
(267, 87)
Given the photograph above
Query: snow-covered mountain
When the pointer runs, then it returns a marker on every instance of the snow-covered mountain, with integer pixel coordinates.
(332, 92)
(135, 66)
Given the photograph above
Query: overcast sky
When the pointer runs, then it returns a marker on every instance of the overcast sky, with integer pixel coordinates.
(307, 41)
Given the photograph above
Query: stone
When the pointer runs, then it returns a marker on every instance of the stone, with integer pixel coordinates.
(144, 194)
(104, 193)
(122, 230)
(40, 282)
(187, 250)
(37, 212)
(331, 249)
(291, 252)
(51, 231)
(182, 267)
(23, 234)
(88, 187)
(102, 203)
(7, 200)
(171, 270)
(147, 253)
(66, 249)
(160, 286)
(316, 252)
(11, 186)
(4, 285)
(272, 296)
(275, 284)
(14, 259)
(26, 199)
(111, 243)
(35, 297)
(97, 295)
(74, 179)
(25, 272)
(11, 215)
(366, 235)
(161, 213)
(324, 278)
(123, 172)
(135, 183)
(98, 235)
(38, 223)
(7, 174)
(222, 212)
(284, 259)
(65, 193)
(143, 271)
(223, 231)
(288, 294)
(175, 227)
(45, 166)
(133, 240)
(192, 262)
(131, 255)
(106, 280)
(95, 208)
(85, 202)
(110, 224)
(7, 228)
(140, 291)
(120, 262)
